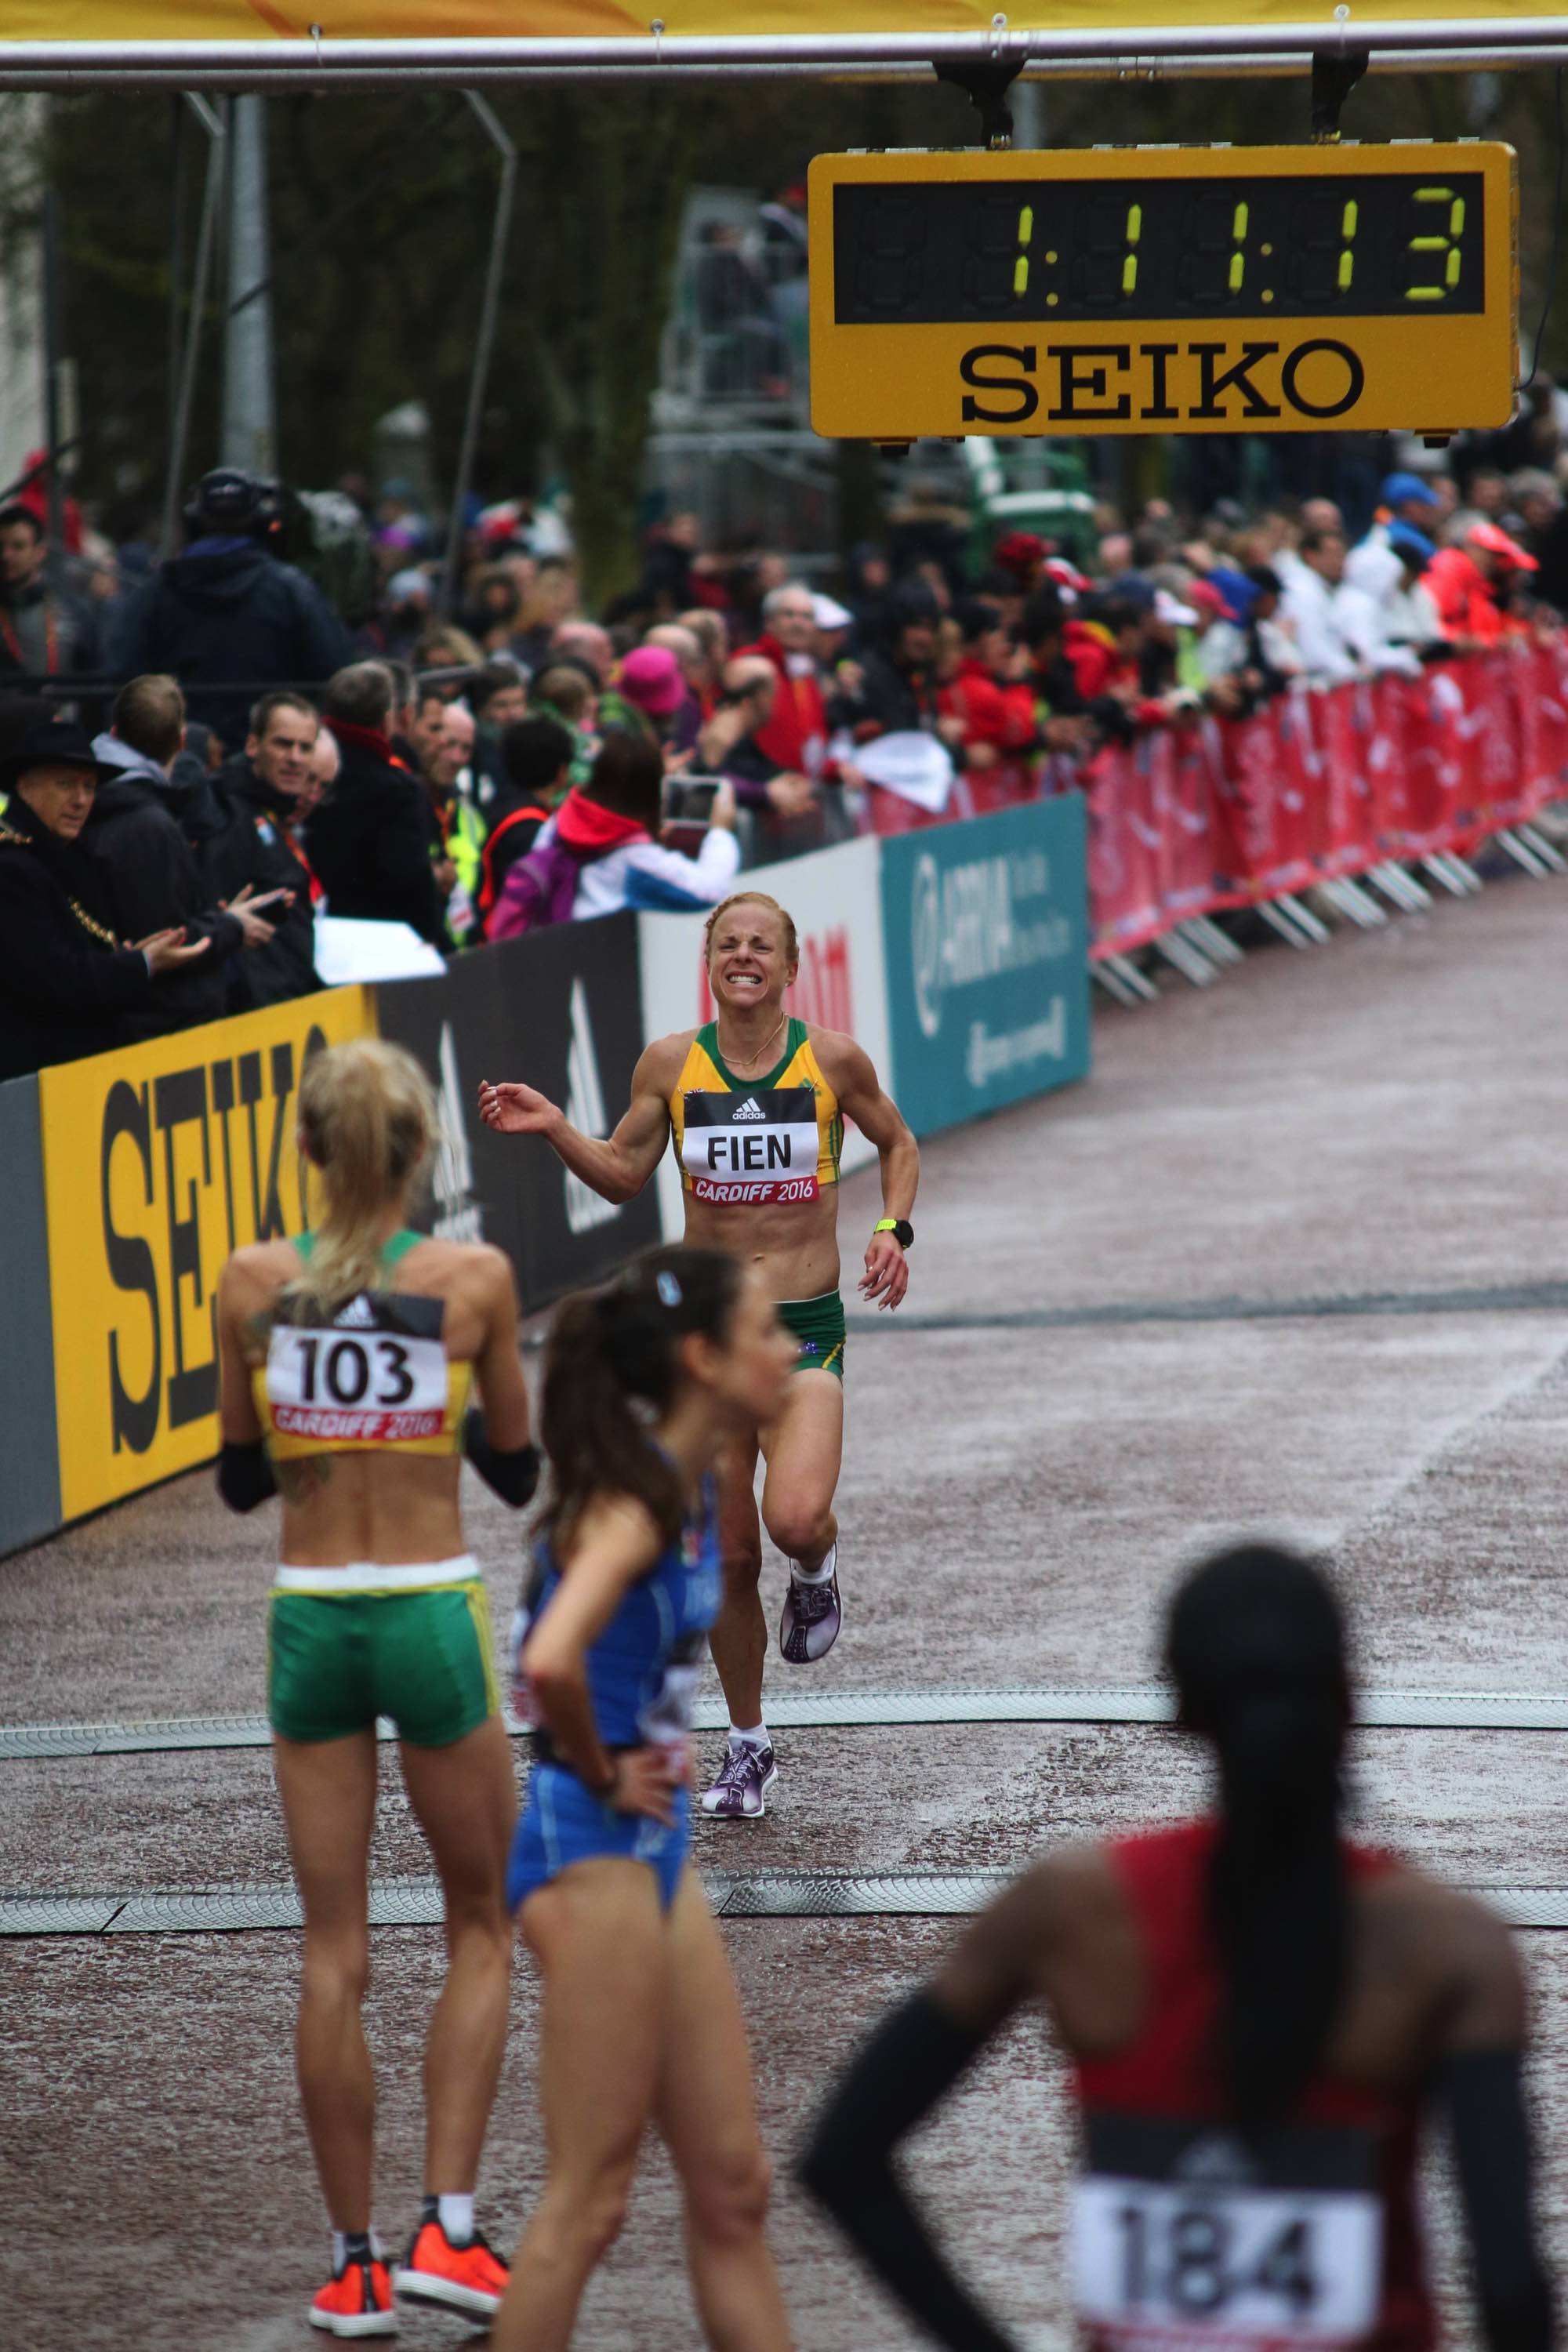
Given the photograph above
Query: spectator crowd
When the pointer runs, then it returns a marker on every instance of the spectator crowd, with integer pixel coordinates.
(236, 763)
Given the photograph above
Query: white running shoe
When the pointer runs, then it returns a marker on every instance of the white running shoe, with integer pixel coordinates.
(745, 1778)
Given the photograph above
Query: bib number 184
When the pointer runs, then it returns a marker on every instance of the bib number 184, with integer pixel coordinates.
(1243, 2262)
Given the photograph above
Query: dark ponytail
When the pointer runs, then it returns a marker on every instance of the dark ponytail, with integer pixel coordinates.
(1255, 1647)
(610, 1368)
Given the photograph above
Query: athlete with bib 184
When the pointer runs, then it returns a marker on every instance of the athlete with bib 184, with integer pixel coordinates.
(756, 1101)
(1260, 2018)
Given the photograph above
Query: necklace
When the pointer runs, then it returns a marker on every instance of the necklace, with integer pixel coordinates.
(762, 1052)
(96, 929)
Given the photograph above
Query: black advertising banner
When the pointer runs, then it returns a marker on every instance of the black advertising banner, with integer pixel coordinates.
(562, 1011)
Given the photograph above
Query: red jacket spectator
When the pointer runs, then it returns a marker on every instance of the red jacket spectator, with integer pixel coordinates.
(998, 722)
(1463, 582)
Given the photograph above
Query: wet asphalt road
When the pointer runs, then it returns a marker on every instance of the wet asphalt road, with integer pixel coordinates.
(1384, 1117)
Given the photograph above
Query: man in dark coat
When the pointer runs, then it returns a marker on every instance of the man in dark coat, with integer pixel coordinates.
(228, 610)
(259, 794)
(369, 840)
(149, 867)
(43, 631)
(68, 985)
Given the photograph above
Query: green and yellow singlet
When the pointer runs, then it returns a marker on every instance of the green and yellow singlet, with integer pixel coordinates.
(756, 1140)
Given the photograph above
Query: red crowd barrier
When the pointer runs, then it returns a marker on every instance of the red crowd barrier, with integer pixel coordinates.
(1319, 785)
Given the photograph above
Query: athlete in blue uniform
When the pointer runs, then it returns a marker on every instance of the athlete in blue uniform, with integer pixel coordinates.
(644, 1384)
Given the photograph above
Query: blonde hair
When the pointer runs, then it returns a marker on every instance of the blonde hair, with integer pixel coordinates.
(751, 899)
(368, 1123)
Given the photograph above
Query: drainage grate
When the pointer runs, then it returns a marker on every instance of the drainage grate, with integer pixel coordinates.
(1414, 1711)
(1506, 1298)
(735, 1895)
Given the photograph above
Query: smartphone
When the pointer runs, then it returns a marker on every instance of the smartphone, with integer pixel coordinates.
(688, 810)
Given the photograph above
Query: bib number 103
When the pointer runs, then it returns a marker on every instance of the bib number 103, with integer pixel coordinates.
(1273, 2263)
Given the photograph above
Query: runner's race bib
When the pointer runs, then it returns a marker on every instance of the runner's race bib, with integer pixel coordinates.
(1184, 2235)
(751, 1148)
(376, 1376)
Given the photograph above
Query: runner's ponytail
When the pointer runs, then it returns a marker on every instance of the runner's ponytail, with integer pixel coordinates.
(1255, 1647)
(613, 1369)
(367, 1122)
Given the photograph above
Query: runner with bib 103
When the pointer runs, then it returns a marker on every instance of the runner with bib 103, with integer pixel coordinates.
(349, 1356)
(756, 1102)
(1257, 2014)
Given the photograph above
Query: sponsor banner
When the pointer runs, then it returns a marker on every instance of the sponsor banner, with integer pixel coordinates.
(832, 896)
(1317, 785)
(29, 1478)
(560, 1009)
(985, 925)
(158, 1160)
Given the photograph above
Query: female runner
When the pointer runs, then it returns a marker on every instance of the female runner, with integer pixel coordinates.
(1258, 2012)
(347, 1358)
(644, 1384)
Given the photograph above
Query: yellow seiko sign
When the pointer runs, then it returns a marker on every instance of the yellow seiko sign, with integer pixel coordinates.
(1265, 289)
(158, 1161)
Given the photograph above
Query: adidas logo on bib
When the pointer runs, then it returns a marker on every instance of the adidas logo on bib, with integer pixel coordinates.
(750, 1109)
(359, 1315)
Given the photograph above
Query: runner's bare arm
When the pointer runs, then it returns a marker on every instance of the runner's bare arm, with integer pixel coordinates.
(862, 1098)
(618, 1166)
(497, 1367)
(614, 1546)
(904, 2071)
(245, 1476)
(238, 1420)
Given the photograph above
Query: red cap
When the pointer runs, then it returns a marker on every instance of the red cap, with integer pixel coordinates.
(1496, 541)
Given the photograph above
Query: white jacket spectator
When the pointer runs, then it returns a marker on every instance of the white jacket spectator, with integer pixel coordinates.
(612, 824)
(1386, 616)
(1311, 607)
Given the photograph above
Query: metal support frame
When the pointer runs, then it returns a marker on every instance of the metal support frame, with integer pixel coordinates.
(1190, 961)
(1472, 43)
(1547, 851)
(1400, 887)
(1121, 977)
(206, 240)
(484, 343)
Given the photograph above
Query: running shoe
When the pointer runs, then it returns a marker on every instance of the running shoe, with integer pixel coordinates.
(739, 1792)
(461, 2278)
(356, 2302)
(813, 1614)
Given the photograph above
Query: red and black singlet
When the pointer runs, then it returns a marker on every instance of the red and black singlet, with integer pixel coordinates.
(1187, 2239)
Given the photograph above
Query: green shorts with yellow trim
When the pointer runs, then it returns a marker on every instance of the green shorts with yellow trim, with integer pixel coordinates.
(336, 1661)
(818, 1325)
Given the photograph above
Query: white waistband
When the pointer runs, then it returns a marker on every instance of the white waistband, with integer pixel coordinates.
(371, 1576)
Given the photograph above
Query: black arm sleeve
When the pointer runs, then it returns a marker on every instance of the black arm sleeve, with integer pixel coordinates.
(913, 2058)
(514, 1477)
(1484, 2097)
(245, 1474)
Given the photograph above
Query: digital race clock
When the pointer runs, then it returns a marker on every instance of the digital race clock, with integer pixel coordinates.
(1165, 289)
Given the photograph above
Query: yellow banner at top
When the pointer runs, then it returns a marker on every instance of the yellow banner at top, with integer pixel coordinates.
(178, 22)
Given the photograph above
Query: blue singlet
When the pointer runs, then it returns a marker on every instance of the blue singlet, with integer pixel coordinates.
(642, 1681)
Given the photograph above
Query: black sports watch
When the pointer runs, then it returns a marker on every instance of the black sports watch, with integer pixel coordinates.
(903, 1233)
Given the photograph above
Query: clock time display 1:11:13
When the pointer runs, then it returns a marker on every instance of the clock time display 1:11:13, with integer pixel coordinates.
(1372, 245)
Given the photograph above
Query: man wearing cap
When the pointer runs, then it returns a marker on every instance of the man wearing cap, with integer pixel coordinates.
(1467, 579)
(69, 985)
(1386, 616)
(1402, 498)
(227, 618)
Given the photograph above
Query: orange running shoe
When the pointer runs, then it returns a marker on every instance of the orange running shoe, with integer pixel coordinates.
(471, 2277)
(356, 2302)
